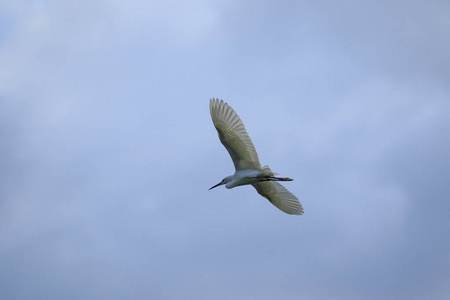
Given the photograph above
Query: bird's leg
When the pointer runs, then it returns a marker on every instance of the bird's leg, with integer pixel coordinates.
(272, 178)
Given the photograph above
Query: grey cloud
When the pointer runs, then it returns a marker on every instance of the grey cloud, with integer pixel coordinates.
(108, 150)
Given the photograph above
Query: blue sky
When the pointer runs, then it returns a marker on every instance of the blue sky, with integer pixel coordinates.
(108, 150)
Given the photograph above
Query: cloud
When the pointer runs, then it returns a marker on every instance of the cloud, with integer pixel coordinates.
(108, 149)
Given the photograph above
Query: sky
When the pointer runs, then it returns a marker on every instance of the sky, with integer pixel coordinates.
(108, 150)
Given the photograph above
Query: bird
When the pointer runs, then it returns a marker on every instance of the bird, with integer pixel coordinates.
(248, 170)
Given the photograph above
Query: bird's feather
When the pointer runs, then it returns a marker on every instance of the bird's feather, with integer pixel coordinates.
(279, 196)
(233, 135)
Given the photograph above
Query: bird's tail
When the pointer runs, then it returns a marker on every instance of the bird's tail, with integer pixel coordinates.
(267, 171)
(270, 176)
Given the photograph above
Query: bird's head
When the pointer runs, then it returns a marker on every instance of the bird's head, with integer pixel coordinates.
(224, 181)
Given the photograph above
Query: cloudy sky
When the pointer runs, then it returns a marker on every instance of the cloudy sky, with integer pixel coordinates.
(107, 149)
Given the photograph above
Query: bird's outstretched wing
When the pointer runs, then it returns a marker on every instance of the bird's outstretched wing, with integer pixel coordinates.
(233, 135)
(279, 196)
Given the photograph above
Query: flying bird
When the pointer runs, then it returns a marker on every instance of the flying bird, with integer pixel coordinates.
(236, 140)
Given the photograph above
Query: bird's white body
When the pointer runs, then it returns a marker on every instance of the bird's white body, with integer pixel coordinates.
(244, 177)
(234, 137)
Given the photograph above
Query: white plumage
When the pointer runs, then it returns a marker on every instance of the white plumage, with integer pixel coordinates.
(236, 140)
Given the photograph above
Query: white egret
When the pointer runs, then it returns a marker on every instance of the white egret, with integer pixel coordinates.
(236, 140)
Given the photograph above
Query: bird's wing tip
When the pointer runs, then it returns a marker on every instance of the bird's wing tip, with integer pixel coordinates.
(279, 196)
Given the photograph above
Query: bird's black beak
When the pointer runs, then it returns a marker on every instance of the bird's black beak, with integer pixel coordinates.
(216, 185)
